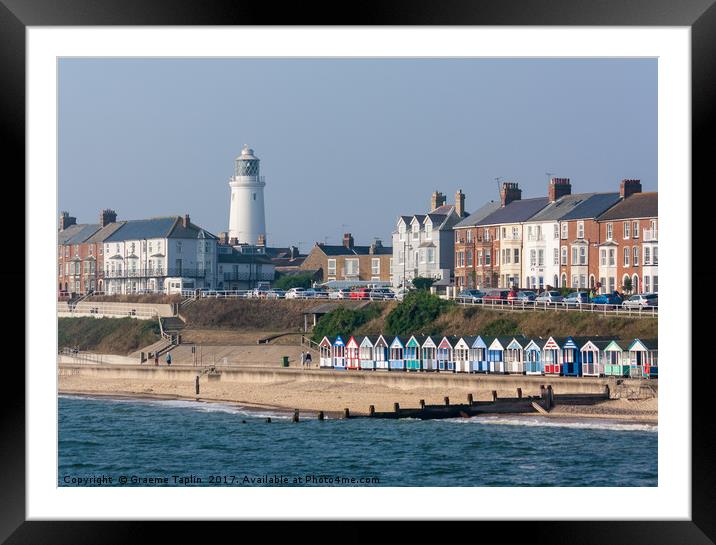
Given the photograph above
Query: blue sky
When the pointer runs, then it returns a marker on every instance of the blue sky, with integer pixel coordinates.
(345, 144)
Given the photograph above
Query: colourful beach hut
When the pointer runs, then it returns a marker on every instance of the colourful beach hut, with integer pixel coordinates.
(551, 362)
(396, 361)
(411, 355)
(353, 352)
(380, 353)
(643, 358)
(533, 358)
(616, 362)
(478, 355)
(461, 354)
(571, 357)
(593, 357)
(446, 360)
(496, 354)
(429, 355)
(366, 359)
(514, 355)
(325, 349)
(339, 353)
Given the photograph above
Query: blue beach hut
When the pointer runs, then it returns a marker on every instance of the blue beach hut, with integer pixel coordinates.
(571, 357)
(396, 359)
(533, 358)
(478, 355)
(339, 353)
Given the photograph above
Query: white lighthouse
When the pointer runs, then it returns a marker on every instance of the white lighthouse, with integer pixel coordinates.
(246, 215)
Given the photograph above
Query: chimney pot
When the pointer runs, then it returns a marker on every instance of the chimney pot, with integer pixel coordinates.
(558, 188)
(438, 199)
(66, 220)
(347, 240)
(460, 203)
(510, 192)
(628, 187)
(185, 221)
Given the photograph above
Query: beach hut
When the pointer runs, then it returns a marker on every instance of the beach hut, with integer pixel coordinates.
(353, 352)
(339, 353)
(514, 355)
(571, 357)
(411, 354)
(533, 358)
(616, 362)
(496, 354)
(380, 353)
(396, 359)
(365, 353)
(461, 354)
(643, 358)
(593, 357)
(478, 355)
(429, 354)
(325, 349)
(551, 362)
(445, 353)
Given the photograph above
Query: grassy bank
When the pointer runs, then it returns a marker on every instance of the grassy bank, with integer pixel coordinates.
(107, 335)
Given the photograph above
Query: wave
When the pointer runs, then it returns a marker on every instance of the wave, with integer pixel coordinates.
(201, 406)
(539, 421)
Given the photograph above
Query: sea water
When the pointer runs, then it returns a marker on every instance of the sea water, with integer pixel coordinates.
(138, 442)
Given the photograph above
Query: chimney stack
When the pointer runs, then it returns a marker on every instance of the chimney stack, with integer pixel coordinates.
(185, 220)
(628, 187)
(234, 241)
(292, 252)
(107, 216)
(347, 240)
(261, 240)
(558, 188)
(510, 192)
(460, 203)
(437, 201)
(377, 243)
(66, 220)
(223, 237)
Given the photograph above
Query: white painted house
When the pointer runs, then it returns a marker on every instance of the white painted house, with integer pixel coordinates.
(424, 244)
(159, 255)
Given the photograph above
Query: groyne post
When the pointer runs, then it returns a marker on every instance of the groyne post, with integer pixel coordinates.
(396, 407)
(295, 415)
(371, 410)
(346, 413)
(494, 395)
(607, 392)
(550, 396)
(519, 393)
(469, 399)
(320, 415)
(422, 403)
(447, 401)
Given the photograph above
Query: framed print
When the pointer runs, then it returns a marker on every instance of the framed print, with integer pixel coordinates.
(333, 271)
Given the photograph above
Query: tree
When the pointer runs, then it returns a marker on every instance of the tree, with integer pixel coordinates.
(627, 287)
(416, 314)
(422, 283)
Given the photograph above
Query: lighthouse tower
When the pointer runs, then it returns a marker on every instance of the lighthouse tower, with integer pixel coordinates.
(246, 214)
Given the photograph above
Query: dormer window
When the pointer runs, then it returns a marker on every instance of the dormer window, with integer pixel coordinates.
(428, 231)
(416, 231)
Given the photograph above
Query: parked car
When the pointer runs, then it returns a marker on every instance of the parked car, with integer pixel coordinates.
(319, 293)
(380, 294)
(576, 299)
(551, 296)
(641, 300)
(400, 293)
(296, 293)
(275, 293)
(521, 296)
(496, 295)
(342, 293)
(260, 293)
(608, 299)
(359, 293)
(470, 296)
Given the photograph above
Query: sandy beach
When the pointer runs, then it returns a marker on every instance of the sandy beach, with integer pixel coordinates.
(305, 391)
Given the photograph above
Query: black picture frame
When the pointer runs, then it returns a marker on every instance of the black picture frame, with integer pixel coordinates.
(17, 15)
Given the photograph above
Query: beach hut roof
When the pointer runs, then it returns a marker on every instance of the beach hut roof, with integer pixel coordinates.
(419, 339)
(620, 344)
(470, 340)
(601, 344)
(649, 344)
(400, 340)
(357, 338)
(532, 345)
(369, 339)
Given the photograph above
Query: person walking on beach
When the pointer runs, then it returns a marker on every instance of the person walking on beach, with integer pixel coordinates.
(303, 359)
(308, 360)
(169, 359)
(156, 358)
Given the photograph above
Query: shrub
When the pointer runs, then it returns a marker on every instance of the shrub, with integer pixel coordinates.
(416, 314)
(422, 283)
(343, 321)
(501, 327)
(294, 281)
